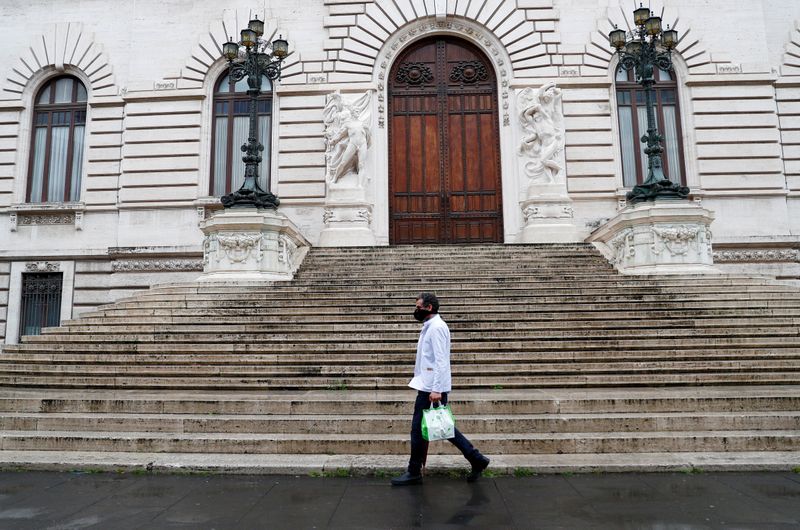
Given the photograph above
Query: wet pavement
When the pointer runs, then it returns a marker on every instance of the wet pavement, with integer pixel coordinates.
(657, 500)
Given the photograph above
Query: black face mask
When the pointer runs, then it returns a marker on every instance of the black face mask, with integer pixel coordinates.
(420, 313)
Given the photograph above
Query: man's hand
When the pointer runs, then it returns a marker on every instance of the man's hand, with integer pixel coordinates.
(435, 396)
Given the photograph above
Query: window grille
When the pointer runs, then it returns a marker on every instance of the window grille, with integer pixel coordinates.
(41, 302)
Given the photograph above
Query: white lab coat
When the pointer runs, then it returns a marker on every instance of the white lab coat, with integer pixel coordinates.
(432, 369)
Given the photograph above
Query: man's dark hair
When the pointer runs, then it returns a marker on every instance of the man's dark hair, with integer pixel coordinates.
(429, 299)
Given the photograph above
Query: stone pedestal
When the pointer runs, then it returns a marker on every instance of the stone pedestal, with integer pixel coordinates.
(347, 218)
(250, 244)
(661, 237)
(548, 216)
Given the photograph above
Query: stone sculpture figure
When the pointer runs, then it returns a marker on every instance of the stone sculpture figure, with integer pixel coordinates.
(347, 137)
(543, 124)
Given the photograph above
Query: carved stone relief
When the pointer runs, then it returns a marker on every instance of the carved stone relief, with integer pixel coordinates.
(675, 239)
(357, 214)
(547, 211)
(158, 265)
(347, 138)
(758, 255)
(239, 247)
(42, 266)
(542, 123)
(622, 246)
(18, 219)
(46, 219)
(287, 250)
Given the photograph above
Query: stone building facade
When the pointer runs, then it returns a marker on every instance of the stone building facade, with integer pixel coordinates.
(110, 200)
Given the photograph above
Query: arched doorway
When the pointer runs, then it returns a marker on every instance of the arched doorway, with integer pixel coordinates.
(444, 150)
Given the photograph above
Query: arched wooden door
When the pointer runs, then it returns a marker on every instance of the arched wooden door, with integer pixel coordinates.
(444, 154)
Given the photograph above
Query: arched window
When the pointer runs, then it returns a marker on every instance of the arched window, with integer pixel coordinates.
(56, 162)
(633, 124)
(230, 129)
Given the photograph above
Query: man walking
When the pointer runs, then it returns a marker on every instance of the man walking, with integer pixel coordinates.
(432, 382)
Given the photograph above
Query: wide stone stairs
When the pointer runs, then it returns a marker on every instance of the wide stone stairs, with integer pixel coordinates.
(554, 353)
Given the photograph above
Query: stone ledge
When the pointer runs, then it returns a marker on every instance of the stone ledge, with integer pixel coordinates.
(290, 464)
(46, 213)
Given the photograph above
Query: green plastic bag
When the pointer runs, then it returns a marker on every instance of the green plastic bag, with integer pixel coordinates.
(438, 423)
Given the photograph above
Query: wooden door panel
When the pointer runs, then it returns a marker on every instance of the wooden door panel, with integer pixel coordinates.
(444, 164)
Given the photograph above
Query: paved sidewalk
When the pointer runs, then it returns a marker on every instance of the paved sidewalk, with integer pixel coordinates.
(618, 500)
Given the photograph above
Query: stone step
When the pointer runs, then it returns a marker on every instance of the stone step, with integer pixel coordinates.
(392, 282)
(785, 344)
(486, 299)
(452, 253)
(395, 283)
(476, 311)
(571, 380)
(347, 359)
(368, 335)
(388, 402)
(472, 309)
(455, 292)
(484, 271)
(397, 374)
(377, 444)
(383, 369)
(617, 318)
(298, 360)
(399, 423)
(322, 464)
(475, 326)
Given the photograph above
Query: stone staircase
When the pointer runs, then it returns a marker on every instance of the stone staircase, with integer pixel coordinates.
(554, 353)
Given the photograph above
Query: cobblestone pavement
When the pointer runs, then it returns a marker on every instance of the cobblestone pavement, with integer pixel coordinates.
(614, 500)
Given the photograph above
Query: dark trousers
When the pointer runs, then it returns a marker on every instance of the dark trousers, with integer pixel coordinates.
(419, 446)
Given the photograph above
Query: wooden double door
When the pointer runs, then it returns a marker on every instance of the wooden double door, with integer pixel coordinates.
(444, 152)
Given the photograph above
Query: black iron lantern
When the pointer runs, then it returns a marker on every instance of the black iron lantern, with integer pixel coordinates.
(256, 62)
(649, 47)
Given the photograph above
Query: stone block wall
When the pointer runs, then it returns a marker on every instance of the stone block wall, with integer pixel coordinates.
(150, 67)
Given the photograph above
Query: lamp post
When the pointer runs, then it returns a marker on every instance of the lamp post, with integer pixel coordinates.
(260, 59)
(644, 49)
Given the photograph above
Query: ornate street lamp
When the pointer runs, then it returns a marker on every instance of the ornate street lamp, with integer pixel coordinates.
(642, 50)
(258, 59)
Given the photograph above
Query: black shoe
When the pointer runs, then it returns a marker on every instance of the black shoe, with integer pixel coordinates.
(477, 468)
(407, 479)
